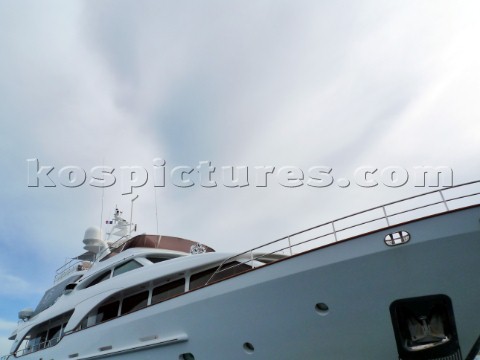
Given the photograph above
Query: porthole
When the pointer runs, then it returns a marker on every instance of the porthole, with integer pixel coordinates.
(248, 347)
(322, 309)
(186, 356)
(397, 238)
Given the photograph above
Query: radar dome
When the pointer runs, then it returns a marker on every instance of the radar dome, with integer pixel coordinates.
(93, 240)
(93, 232)
(25, 314)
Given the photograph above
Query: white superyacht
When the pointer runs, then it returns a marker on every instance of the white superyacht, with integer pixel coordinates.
(400, 281)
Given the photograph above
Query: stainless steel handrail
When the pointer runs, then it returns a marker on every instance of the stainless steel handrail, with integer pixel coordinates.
(249, 256)
(70, 267)
(66, 269)
(40, 346)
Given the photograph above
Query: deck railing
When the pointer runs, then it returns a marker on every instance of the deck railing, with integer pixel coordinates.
(70, 267)
(78, 265)
(36, 347)
(411, 208)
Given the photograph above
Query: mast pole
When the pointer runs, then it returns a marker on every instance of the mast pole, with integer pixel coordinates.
(131, 215)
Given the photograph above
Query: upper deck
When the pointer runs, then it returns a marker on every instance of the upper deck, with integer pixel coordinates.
(169, 243)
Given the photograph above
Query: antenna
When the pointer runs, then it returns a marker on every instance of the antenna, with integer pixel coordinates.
(103, 197)
(131, 214)
(156, 207)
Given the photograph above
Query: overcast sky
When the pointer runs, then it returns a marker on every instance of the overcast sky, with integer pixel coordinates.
(341, 84)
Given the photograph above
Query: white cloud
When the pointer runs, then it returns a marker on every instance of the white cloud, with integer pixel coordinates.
(7, 325)
(5, 345)
(6, 328)
(15, 286)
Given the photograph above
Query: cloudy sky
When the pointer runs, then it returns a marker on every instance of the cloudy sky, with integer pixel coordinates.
(340, 85)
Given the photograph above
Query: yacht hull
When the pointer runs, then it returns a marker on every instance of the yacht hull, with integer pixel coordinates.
(272, 312)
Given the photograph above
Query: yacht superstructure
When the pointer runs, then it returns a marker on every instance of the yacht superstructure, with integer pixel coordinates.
(400, 281)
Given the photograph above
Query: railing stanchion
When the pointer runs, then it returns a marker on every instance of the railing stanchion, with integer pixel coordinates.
(386, 216)
(251, 258)
(334, 231)
(443, 199)
(290, 246)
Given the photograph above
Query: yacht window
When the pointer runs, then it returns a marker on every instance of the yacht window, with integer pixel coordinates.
(44, 335)
(200, 279)
(83, 324)
(87, 321)
(107, 311)
(39, 341)
(104, 276)
(135, 302)
(167, 291)
(128, 266)
(157, 259)
(54, 293)
(54, 335)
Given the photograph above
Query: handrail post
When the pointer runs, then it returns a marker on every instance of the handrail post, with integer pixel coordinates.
(443, 199)
(290, 246)
(386, 216)
(334, 231)
(251, 258)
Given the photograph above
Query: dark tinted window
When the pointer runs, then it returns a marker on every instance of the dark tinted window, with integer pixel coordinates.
(200, 279)
(227, 270)
(54, 335)
(54, 293)
(135, 302)
(128, 266)
(167, 291)
(40, 341)
(100, 278)
(107, 311)
(156, 259)
(44, 335)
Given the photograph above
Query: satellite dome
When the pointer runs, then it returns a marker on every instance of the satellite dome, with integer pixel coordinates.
(93, 240)
(25, 314)
(93, 232)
